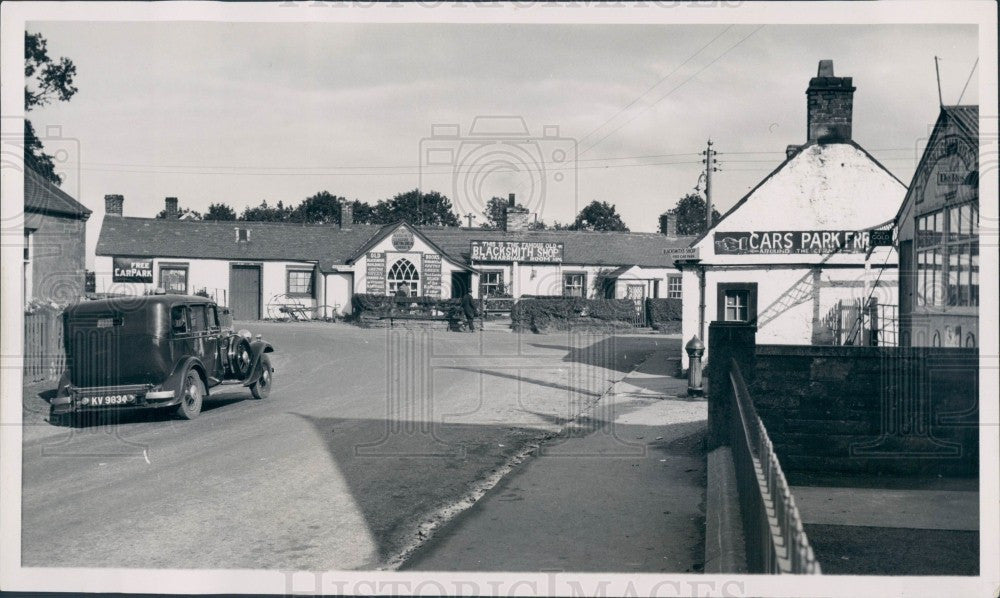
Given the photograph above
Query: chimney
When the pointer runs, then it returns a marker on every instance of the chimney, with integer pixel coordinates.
(668, 223)
(829, 105)
(346, 215)
(516, 218)
(170, 206)
(114, 205)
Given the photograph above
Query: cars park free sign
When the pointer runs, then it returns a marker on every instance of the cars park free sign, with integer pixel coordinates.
(132, 269)
(789, 242)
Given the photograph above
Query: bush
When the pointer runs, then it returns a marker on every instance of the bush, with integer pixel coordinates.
(540, 313)
(381, 305)
(662, 312)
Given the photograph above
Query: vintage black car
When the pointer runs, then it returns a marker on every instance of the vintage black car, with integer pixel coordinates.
(155, 351)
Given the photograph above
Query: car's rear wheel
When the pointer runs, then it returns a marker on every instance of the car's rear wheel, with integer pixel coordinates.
(262, 387)
(192, 395)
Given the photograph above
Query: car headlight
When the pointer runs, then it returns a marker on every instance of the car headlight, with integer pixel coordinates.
(245, 334)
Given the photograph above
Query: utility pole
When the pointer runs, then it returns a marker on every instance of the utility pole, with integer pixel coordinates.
(470, 216)
(710, 167)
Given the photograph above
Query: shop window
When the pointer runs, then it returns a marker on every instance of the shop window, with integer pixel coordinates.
(174, 278)
(673, 287)
(491, 284)
(575, 284)
(737, 302)
(948, 257)
(403, 278)
(299, 283)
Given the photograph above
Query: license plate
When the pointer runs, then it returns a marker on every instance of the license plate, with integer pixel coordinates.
(108, 400)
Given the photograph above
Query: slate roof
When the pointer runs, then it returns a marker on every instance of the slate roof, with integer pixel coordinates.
(149, 237)
(43, 196)
(329, 246)
(966, 119)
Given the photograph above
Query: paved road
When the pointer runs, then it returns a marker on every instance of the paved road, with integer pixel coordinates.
(366, 435)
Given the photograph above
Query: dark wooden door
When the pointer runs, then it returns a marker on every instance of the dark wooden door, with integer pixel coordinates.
(244, 292)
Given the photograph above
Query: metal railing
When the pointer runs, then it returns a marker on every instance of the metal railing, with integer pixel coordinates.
(775, 539)
(854, 323)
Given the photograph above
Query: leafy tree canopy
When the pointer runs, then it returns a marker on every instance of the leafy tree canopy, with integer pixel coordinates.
(690, 213)
(219, 211)
(599, 215)
(417, 208)
(45, 80)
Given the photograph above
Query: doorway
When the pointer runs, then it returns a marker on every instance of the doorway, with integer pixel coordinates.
(460, 282)
(244, 291)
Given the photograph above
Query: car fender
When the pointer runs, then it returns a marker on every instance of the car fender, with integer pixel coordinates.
(257, 349)
(175, 377)
(62, 389)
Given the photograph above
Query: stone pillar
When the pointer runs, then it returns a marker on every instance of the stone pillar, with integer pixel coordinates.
(727, 341)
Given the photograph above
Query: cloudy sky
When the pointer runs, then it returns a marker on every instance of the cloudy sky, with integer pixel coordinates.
(244, 112)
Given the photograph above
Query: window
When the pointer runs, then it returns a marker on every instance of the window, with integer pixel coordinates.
(737, 302)
(242, 235)
(491, 283)
(403, 278)
(299, 283)
(198, 321)
(673, 287)
(947, 256)
(575, 284)
(26, 271)
(174, 278)
(212, 316)
(179, 319)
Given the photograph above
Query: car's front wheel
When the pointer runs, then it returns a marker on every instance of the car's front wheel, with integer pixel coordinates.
(262, 387)
(192, 395)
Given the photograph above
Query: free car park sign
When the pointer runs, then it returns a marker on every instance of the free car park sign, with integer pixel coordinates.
(789, 242)
(132, 269)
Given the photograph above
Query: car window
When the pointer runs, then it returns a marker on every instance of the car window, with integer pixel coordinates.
(213, 316)
(197, 318)
(179, 319)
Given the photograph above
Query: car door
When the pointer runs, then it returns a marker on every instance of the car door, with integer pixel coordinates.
(204, 338)
(181, 337)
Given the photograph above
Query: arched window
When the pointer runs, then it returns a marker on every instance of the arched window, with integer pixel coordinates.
(403, 276)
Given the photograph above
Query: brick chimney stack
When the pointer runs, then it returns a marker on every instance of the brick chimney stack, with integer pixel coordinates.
(346, 215)
(516, 218)
(829, 106)
(114, 205)
(170, 206)
(668, 223)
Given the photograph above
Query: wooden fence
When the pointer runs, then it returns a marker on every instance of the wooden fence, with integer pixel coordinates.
(44, 358)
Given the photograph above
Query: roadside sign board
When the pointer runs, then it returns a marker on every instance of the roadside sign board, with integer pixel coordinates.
(681, 254)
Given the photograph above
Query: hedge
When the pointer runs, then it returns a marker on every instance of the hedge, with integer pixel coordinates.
(541, 313)
(663, 313)
(380, 305)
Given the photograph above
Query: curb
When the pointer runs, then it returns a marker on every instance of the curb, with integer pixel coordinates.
(725, 549)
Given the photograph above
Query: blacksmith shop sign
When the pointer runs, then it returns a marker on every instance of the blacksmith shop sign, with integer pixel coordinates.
(132, 269)
(791, 242)
(375, 273)
(517, 251)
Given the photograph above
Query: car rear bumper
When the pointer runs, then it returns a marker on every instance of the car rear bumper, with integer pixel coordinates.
(104, 398)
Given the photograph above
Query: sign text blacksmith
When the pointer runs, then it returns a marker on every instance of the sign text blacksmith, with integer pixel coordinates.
(517, 251)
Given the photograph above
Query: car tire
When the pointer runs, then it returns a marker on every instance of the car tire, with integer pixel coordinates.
(261, 389)
(192, 394)
(239, 357)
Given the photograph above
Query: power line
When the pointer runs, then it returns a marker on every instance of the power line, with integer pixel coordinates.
(698, 72)
(966, 86)
(654, 85)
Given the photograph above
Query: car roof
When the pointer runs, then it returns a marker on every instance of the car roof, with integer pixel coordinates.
(133, 303)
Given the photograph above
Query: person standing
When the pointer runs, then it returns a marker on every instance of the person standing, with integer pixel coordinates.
(469, 309)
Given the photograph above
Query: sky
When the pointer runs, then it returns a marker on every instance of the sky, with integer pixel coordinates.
(565, 114)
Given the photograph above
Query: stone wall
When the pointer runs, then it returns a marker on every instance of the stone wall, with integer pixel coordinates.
(872, 410)
(852, 410)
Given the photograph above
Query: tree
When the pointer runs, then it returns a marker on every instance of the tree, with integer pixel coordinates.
(495, 214)
(417, 208)
(219, 211)
(321, 208)
(599, 216)
(192, 214)
(690, 213)
(45, 79)
(266, 213)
